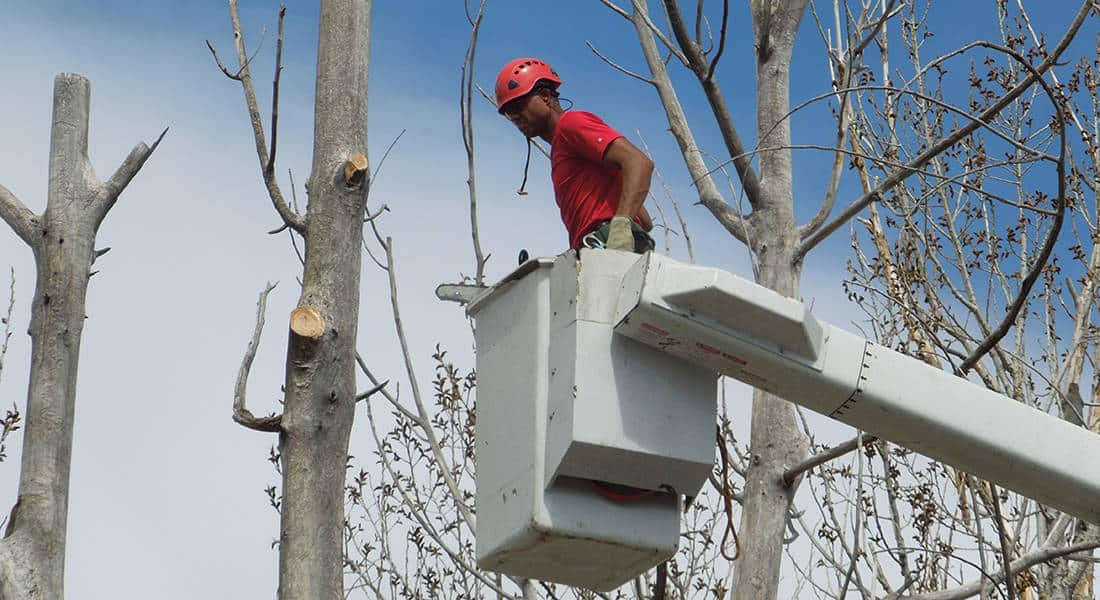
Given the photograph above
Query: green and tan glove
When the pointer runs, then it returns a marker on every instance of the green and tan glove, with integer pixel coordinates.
(619, 235)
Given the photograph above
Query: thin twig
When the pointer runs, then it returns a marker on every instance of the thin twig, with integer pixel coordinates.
(270, 167)
(244, 66)
(465, 102)
(622, 13)
(617, 66)
(374, 390)
(421, 410)
(294, 240)
(217, 59)
(721, 38)
(378, 213)
(382, 161)
(416, 513)
(858, 518)
(1010, 584)
(7, 322)
(392, 399)
(791, 474)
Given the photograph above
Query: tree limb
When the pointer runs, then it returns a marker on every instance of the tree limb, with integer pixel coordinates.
(424, 420)
(817, 460)
(617, 66)
(242, 415)
(622, 13)
(109, 191)
(721, 39)
(21, 219)
(844, 121)
(292, 219)
(709, 196)
(698, 62)
(656, 31)
(834, 177)
(269, 168)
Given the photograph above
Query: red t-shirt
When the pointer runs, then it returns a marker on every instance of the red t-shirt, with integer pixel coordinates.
(587, 190)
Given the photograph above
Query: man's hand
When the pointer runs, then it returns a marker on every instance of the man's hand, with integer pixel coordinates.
(619, 235)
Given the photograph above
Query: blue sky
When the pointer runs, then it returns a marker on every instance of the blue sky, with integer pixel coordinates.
(165, 486)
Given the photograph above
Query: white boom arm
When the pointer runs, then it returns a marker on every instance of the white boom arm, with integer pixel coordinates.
(715, 319)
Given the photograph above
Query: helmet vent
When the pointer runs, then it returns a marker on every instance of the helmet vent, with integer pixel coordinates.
(513, 84)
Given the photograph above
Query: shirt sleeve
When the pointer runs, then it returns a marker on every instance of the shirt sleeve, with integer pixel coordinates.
(587, 135)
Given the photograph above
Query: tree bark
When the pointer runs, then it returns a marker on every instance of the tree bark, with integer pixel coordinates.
(32, 553)
(776, 443)
(320, 375)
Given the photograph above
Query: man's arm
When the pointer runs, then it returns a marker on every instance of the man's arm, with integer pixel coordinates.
(645, 219)
(637, 172)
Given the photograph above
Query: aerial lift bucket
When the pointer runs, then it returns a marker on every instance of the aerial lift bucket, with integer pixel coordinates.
(563, 403)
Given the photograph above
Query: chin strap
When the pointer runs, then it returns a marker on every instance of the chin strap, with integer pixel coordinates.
(527, 164)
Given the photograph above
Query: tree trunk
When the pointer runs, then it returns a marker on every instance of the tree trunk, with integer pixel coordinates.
(320, 375)
(776, 441)
(32, 553)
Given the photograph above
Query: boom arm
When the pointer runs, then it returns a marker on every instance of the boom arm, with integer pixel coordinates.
(715, 319)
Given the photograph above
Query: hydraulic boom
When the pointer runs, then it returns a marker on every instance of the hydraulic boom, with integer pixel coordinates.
(715, 319)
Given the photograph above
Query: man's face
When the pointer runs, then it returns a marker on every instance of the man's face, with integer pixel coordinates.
(529, 113)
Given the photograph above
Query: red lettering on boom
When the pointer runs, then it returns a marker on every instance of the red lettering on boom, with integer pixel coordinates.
(734, 359)
(707, 349)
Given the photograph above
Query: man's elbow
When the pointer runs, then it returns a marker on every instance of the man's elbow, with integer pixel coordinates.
(645, 166)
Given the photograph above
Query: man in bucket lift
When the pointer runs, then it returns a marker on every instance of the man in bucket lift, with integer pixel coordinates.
(600, 179)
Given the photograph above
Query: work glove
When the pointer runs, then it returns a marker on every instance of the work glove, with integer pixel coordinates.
(619, 235)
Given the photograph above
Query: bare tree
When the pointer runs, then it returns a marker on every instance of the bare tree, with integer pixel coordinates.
(320, 395)
(32, 553)
(937, 267)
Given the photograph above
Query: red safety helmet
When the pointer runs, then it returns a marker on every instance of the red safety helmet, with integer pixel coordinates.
(519, 77)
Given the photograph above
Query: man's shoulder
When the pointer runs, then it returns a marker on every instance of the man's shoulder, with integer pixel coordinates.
(579, 117)
(578, 125)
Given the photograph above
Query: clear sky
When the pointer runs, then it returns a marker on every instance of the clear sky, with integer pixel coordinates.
(167, 493)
